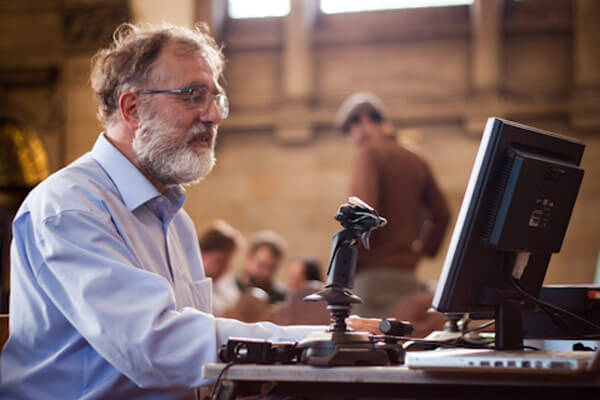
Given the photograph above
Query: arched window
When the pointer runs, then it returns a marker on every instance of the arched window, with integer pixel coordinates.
(343, 6)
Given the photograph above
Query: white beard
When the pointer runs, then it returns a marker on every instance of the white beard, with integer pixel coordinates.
(167, 162)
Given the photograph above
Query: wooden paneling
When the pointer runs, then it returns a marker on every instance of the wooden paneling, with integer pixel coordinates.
(407, 71)
(253, 79)
(393, 25)
(32, 40)
(538, 65)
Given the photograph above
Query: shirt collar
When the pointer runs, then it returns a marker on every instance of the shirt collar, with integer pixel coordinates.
(134, 187)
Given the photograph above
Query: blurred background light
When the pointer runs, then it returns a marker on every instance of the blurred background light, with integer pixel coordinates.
(343, 6)
(258, 8)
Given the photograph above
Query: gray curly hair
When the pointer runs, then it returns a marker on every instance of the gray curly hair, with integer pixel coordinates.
(128, 62)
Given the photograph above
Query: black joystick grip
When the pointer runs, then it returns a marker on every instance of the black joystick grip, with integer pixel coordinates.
(395, 328)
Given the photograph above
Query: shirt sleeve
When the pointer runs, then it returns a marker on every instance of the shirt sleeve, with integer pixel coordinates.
(128, 314)
(437, 207)
(364, 181)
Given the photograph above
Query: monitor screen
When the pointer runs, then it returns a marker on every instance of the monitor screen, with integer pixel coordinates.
(514, 215)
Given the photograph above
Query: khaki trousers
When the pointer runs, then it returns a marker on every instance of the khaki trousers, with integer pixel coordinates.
(380, 289)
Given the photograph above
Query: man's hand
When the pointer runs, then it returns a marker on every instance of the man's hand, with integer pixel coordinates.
(370, 325)
(413, 307)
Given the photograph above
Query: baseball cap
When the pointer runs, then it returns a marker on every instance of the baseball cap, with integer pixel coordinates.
(354, 105)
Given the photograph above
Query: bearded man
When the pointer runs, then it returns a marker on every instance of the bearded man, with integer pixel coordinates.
(109, 298)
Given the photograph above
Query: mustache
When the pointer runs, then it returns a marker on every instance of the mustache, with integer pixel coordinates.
(198, 130)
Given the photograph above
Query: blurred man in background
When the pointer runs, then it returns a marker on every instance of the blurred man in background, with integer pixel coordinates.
(218, 245)
(267, 249)
(265, 252)
(399, 184)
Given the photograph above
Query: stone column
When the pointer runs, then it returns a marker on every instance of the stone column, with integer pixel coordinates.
(214, 13)
(585, 108)
(297, 79)
(486, 61)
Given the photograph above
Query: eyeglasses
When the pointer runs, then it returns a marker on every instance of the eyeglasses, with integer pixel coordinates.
(200, 97)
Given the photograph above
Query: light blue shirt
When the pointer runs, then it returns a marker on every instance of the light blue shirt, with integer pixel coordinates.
(108, 293)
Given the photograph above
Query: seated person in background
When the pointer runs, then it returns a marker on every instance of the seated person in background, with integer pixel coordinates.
(261, 263)
(303, 271)
(218, 245)
(304, 278)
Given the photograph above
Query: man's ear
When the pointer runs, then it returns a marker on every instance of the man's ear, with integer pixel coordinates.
(129, 109)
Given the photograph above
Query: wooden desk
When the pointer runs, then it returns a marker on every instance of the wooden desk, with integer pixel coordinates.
(396, 382)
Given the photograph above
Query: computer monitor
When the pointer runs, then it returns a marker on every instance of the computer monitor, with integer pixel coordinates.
(514, 215)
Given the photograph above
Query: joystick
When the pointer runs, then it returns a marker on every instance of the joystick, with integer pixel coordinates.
(340, 345)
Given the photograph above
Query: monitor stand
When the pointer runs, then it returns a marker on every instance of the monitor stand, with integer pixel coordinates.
(507, 313)
(508, 305)
(509, 325)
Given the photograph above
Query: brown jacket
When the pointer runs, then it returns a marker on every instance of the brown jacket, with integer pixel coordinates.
(399, 184)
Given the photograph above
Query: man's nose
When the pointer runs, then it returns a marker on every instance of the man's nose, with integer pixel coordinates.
(212, 114)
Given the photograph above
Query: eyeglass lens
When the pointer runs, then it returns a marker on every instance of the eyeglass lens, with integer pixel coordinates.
(202, 98)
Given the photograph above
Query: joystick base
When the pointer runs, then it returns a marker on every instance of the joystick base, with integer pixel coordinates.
(347, 349)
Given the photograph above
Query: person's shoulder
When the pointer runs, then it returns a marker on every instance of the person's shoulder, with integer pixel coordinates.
(413, 150)
(371, 148)
(394, 145)
(80, 186)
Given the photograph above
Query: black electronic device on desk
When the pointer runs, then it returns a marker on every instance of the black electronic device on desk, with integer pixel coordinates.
(581, 300)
